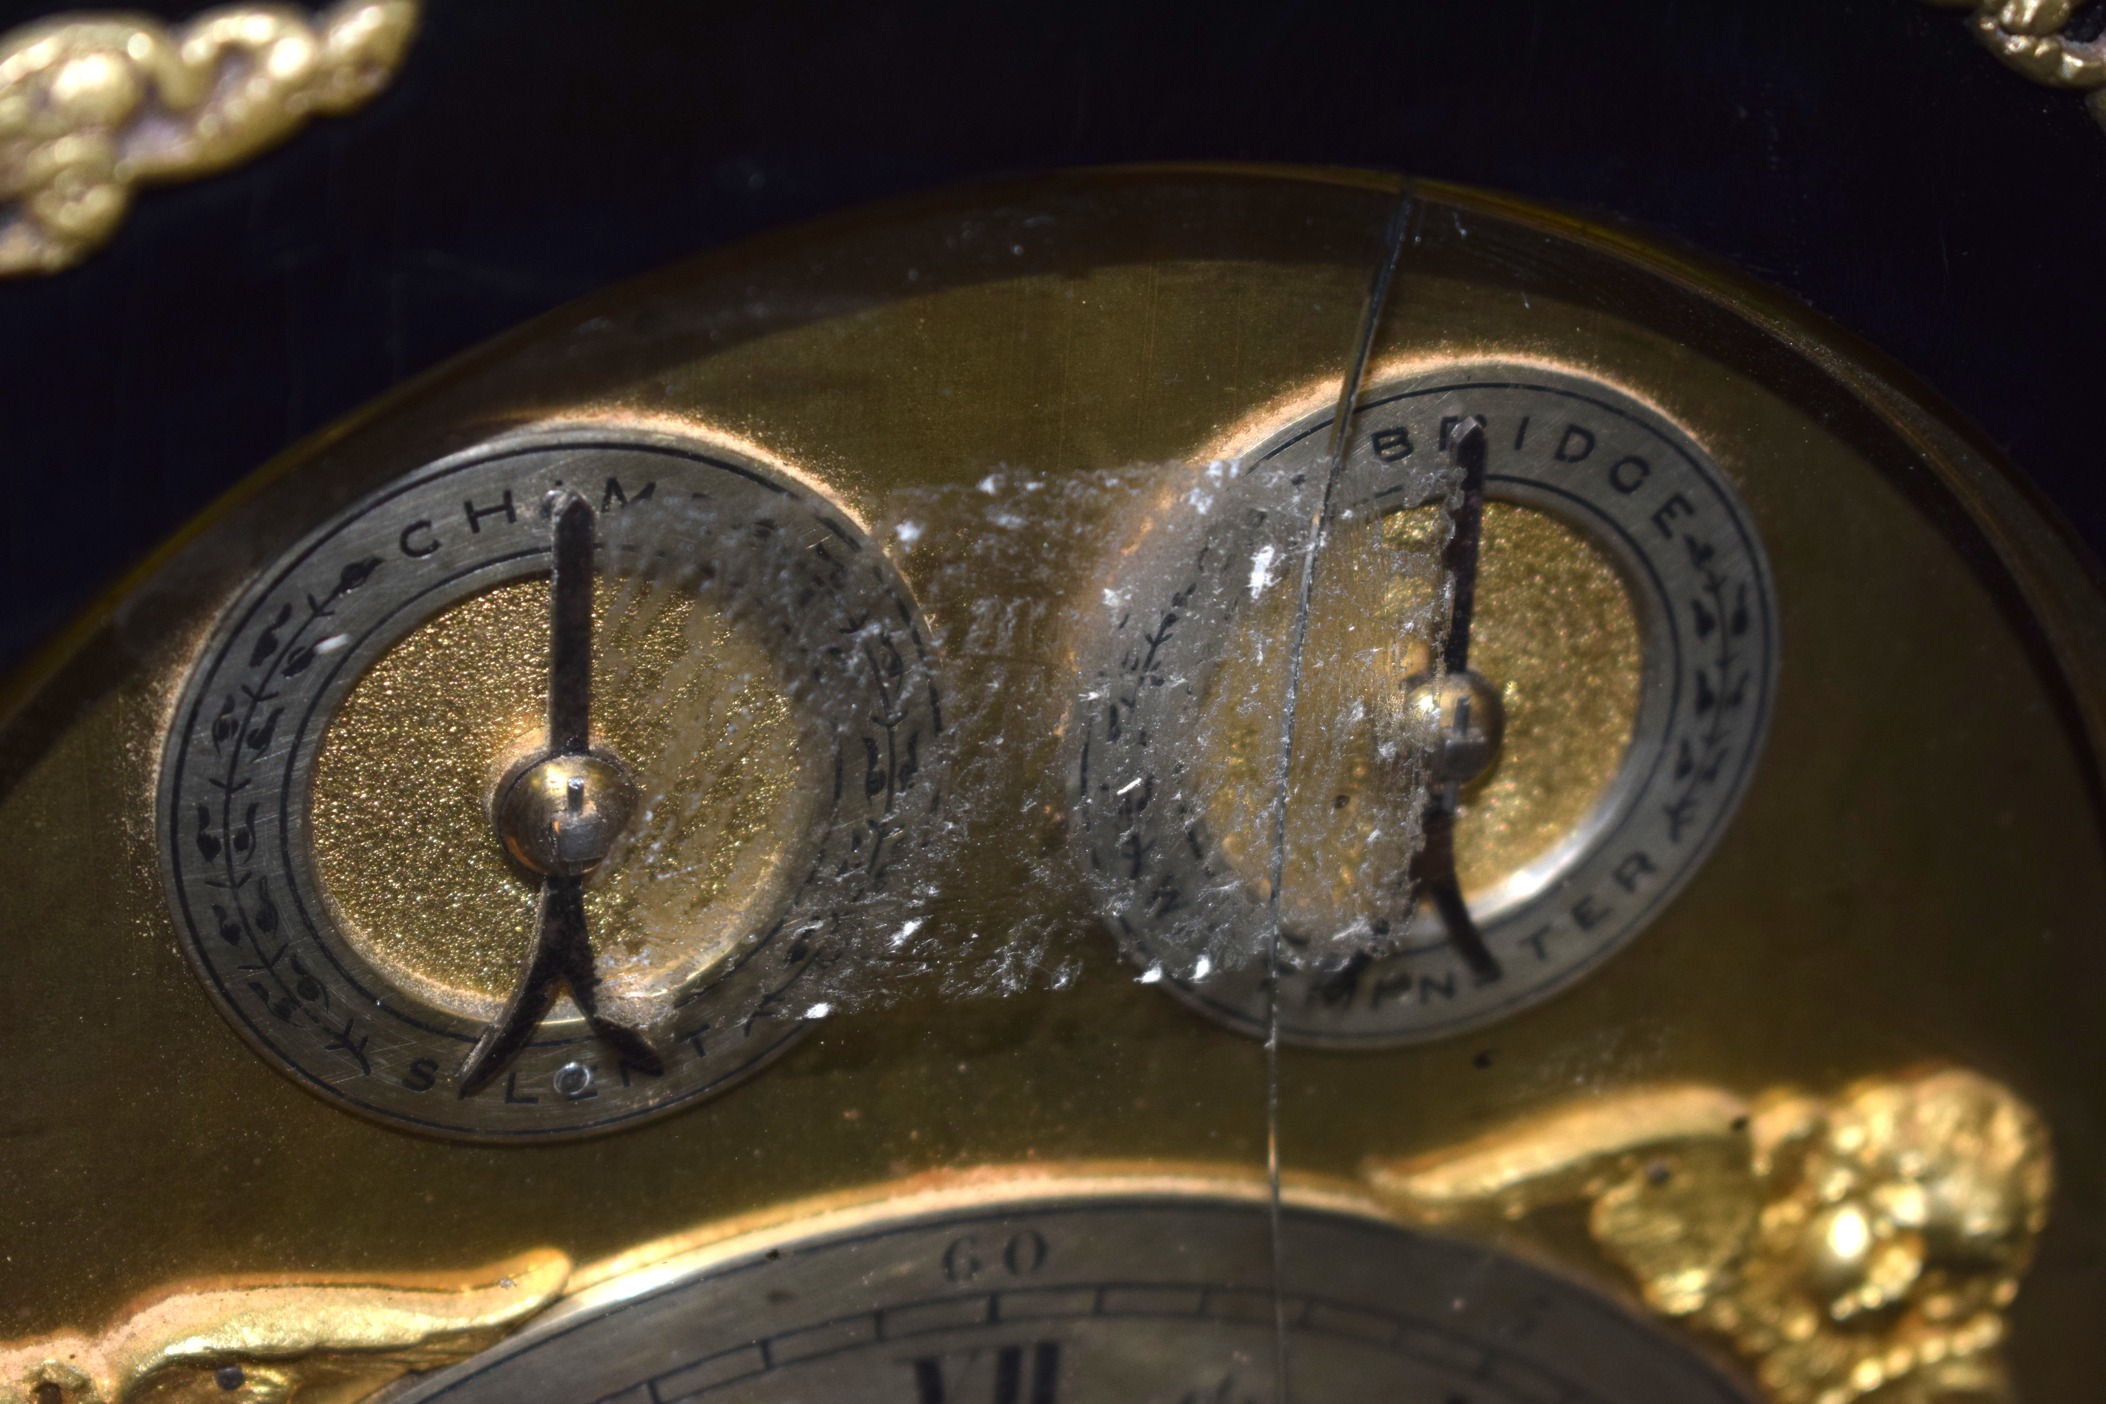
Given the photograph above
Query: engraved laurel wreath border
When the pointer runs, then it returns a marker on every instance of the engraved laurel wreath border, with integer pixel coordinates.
(242, 725)
(1720, 685)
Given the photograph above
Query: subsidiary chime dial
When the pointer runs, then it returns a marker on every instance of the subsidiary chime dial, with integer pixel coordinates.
(537, 792)
(1505, 718)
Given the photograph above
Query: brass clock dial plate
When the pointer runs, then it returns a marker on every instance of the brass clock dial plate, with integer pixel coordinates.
(1624, 616)
(991, 408)
(1091, 1290)
(329, 799)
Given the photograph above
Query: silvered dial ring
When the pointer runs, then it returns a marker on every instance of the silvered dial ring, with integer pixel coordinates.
(1050, 1287)
(331, 793)
(1625, 615)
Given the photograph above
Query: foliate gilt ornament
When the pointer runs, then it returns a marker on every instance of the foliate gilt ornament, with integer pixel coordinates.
(286, 1342)
(93, 105)
(2037, 38)
(1862, 1245)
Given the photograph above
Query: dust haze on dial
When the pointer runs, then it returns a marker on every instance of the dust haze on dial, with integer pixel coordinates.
(1540, 655)
(682, 584)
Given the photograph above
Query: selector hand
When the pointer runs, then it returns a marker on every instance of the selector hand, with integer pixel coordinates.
(558, 817)
(1467, 710)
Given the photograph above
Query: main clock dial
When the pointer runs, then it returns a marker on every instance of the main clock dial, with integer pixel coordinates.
(535, 793)
(1052, 1290)
(1514, 709)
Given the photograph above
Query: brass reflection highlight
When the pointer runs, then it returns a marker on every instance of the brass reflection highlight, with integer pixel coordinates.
(402, 835)
(1555, 632)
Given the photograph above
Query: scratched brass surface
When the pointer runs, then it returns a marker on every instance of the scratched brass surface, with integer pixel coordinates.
(1916, 874)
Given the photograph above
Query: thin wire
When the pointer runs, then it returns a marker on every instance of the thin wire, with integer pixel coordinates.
(1334, 461)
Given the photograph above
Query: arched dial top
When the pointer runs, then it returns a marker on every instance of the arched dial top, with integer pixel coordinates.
(1059, 1289)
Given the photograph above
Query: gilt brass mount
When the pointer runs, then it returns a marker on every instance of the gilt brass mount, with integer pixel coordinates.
(283, 1342)
(1175, 747)
(1842, 1244)
(1848, 1245)
(92, 106)
(2032, 38)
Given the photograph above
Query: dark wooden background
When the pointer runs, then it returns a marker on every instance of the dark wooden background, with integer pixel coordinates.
(1865, 155)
